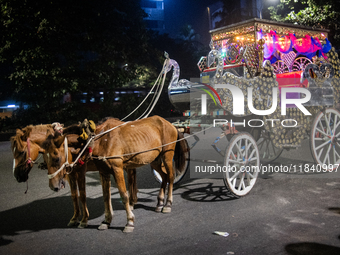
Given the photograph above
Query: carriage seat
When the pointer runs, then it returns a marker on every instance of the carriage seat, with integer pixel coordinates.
(292, 79)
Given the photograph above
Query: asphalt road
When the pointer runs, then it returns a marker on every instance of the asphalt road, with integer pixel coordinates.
(285, 213)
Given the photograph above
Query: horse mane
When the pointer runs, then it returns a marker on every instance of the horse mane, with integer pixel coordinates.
(39, 128)
(72, 129)
(22, 134)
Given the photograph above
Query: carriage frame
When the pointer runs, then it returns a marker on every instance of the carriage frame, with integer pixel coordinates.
(264, 55)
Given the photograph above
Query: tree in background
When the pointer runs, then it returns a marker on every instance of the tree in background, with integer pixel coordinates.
(49, 48)
(314, 13)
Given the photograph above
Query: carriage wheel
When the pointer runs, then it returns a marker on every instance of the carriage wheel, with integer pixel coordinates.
(268, 151)
(280, 67)
(242, 164)
(300, 64)
(178, 176)
(325, 139)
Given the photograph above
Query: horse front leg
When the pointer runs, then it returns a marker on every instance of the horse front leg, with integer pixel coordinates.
(82, 194)
(106, 186)
(120, 181)
(157, 165)
(72, 179)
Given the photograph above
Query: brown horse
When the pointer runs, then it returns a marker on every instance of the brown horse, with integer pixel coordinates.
(54, 159)
(148, 141)
(26, 146)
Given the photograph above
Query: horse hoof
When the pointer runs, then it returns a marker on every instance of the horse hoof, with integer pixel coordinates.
(159, 209)
(128, 229)
(166, 209)
(73, 223)
(104, 226)
(82, 225)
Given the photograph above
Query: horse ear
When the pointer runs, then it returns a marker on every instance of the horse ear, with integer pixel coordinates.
(17, 140)
(49, 133)
(19, 133)
(26, 133)
(59, 141)
(49, 139)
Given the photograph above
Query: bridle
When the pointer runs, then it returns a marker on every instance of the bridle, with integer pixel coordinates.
(28, 162)
(66, 164)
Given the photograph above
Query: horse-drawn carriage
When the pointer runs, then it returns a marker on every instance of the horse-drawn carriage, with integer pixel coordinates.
(257, 58)
(276, 67)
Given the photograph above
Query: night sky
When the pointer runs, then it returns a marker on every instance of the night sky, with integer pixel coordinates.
(193, 12)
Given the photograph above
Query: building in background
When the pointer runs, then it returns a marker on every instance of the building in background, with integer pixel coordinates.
(235, 12)
(155, 11)
(7, 107)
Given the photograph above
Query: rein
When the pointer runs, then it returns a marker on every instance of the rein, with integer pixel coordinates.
(66, 164)
(161, 146)
(155, 98)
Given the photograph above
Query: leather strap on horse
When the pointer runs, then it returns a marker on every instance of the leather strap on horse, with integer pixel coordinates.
(134, 153)
(28, 160)
(51, 176)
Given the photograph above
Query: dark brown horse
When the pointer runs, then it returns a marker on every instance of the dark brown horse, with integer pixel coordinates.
(148, 141)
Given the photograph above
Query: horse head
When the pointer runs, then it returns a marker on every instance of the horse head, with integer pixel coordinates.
(25, 152)
(56, 155)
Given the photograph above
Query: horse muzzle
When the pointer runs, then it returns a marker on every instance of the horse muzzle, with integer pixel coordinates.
(57, 185)
(21, 173)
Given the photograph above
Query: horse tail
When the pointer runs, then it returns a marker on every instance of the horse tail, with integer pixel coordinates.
(132, 186)
(180, 149)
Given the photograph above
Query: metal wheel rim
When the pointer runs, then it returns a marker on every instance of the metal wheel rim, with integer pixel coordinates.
(280, 67)
(268, 151)
(242, 164)
(325, 137)
(300, 64)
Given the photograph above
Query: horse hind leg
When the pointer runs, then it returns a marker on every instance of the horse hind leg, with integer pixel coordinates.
(170, 180)
(160, 198)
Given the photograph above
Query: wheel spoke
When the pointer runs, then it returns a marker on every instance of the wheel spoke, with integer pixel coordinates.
(335, 126)
(322, 132)
(235, 175)
(241, 183)
(327, 125)
(327, 155)
(319, 153)
(248, 179)
(322, 145)
(235, 161)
